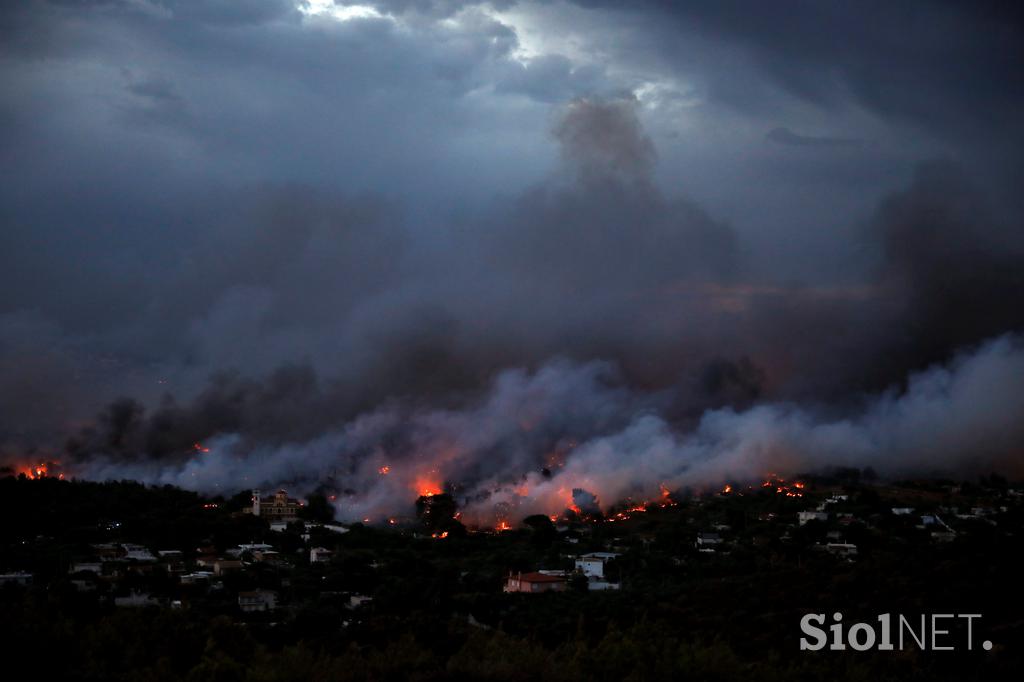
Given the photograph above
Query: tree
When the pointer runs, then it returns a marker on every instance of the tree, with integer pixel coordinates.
(436, 512)
(318, 509)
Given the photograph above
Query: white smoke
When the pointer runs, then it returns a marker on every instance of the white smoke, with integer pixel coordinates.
(537, 436)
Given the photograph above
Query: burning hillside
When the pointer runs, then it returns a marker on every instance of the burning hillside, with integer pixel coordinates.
(569, 439)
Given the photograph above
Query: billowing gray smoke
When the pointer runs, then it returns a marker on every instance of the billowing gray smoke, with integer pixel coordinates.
(571, 434)
(590, 340)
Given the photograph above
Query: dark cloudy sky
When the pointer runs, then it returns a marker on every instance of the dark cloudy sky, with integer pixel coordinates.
(269, 216)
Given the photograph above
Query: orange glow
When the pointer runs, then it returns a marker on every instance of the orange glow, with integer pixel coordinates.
(502, 525)
(426, 487)
(198, 447)
(41, 470)
(439, 536)
(727, 489)
(384, 470)
(782, 488)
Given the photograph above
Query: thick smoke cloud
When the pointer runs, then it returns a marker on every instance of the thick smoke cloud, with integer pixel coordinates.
(572, 434)
(439, 236)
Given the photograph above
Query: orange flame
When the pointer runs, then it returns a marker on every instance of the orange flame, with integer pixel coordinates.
(41, 470)
(426, 486)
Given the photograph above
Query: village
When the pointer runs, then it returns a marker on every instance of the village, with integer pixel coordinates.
(725, 574)
(272, 560)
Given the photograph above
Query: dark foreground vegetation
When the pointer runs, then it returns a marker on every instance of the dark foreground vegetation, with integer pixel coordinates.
(397, 604)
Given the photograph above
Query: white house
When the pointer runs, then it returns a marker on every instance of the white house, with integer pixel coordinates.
(320, 555)
(805, 516)
(592, 565)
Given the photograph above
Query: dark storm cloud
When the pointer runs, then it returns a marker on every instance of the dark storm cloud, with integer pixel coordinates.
(316, 244)
(953, 67)
(785, 136)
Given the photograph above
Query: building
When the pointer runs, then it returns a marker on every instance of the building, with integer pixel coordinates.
(257, 600)
(320, 554)
(598, 585)
(843, 549)
(707, 541)
(278, 508)
(592, 565)
(138, 553)
(18, 578)
(806, 516)
(225, 566)
(196, 578)
(86, 567)
(535, 582)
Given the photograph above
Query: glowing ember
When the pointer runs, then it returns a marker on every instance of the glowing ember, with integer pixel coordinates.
(384, 470)
(198, 447)
(727, 489)
(502, 526)
(782, 488)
